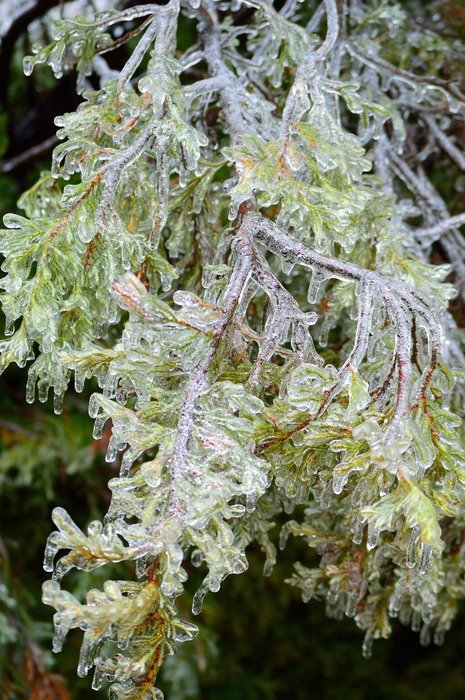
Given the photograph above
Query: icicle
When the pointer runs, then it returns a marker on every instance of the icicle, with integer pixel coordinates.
(428, 612)
(86, 660)
(126, 462)
(269, 564)
(357, 494)
(197, 558)
(250, 502)
(197, 601)
(367, 646)
(185, 632)
(113, 311)
(425, 559)
(49, 555)
(333, 596)
(316, 286)
(240, 566)
(395, 601)
(9, 326)
(416, 621)
(324, 331)
(59, 638)
(339, 481)
(325, 497)
(43, 389)
(405, 616)
(283, 537)
(28, 65)
(99, 677)
(94, 406)
(439, 637)
(306, 596)
(121, 395)
(412, 547)
(373, 536)
(358, 530)
(425, 635)
(79, 380)
(112, 450)
(84, 230)
(58, 402)
(111, 383)
(99, 425)
(31, 387)
(351, 605)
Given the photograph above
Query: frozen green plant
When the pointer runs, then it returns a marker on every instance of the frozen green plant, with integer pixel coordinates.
(254, 218)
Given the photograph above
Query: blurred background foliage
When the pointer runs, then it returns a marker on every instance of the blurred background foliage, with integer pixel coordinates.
(257, 639)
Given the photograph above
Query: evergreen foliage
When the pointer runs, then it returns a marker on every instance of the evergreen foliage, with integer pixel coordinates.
(235, 240)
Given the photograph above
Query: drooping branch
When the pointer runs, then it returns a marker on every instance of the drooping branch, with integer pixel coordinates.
(214, 424)
(401, 302)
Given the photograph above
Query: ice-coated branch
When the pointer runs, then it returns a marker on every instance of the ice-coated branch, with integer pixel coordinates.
(306, 76)
(195, 386)
(237, 388)
(442, 227)
(144, 44)
(357, 354)
(113, 170)
(368, 280)
(332, 19)
(444, 141)
(160, 31)
(283, 313)
(224, 81)
(107, 19)
(446, 227)
(229, 82)
(402, 305)
(379, 63)
(197, 382)
(402, 353)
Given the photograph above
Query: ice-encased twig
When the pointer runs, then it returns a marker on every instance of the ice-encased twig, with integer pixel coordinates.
(401, 302)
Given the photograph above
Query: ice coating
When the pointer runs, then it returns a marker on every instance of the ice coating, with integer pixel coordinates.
(235, 263)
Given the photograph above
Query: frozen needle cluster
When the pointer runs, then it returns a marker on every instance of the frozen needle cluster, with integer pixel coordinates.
(253, 219)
